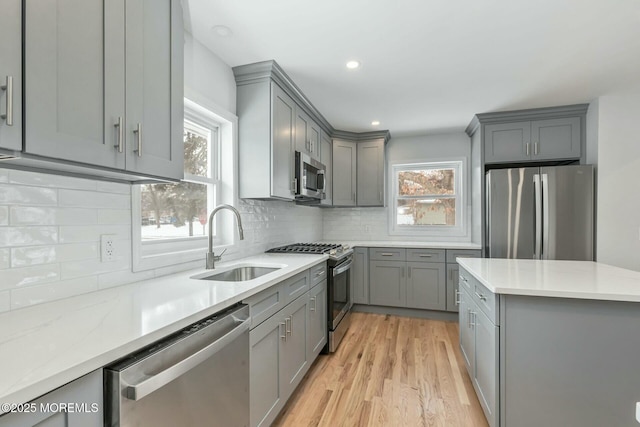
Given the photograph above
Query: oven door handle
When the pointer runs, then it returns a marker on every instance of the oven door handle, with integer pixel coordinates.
(342, 268)
(144, 388)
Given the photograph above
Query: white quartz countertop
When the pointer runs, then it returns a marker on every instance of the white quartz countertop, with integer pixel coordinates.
(48, 345)
(414, 244)
(564, 279)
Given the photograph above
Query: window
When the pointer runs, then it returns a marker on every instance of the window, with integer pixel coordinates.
(427, 199)
(171, 211)
(170, 221)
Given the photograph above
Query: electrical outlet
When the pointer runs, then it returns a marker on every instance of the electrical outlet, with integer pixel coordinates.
(107, 248)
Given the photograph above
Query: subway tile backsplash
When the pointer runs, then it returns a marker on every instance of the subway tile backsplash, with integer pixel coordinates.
(50, 228)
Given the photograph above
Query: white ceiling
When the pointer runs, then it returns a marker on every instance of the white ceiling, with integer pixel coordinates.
(429, 65)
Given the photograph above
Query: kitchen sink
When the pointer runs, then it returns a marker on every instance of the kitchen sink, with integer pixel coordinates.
(238, 274)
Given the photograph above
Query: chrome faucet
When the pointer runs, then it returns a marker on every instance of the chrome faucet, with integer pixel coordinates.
(211, 257)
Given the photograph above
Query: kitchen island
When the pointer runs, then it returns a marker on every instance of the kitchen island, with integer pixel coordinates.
(551, 343)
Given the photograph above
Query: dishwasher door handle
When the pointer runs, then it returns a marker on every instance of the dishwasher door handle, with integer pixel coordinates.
(142, 389)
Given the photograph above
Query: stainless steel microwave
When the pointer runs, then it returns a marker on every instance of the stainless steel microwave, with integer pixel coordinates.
(309, 179)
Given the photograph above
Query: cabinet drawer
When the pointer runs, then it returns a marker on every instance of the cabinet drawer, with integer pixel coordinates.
(295, 286)
(318, 273)
(486, 301)
(265, 304)
(425, 255)
(387, 254)
(452, 254)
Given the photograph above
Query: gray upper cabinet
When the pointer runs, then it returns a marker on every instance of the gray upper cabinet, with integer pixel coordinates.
(267, 123)
(307, 135)
(541, 134)
(344, 172)
(104, 84)
(75, 80)
(326, 158)
(154, 88)
(370, 176)
(507, 142)
(555, 139)
(11, 75)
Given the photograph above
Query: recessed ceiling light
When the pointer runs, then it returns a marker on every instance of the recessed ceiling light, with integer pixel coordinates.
(352, 65)
(222, 30)
(375, 123)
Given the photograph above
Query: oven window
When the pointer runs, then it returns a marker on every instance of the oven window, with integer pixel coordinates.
(340, 293)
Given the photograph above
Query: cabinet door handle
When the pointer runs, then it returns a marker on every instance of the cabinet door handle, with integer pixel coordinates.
(120, 136)
(314, 304)
(456, 301)
(526, 148)
(481, 296)
(473, 323)
(535, 148)
(409, 272)
(380, 196)
(468, 318)
(138, 132)
(354, 196)
(8, 87)
(401, 271)
(287, 327)
(284, 335)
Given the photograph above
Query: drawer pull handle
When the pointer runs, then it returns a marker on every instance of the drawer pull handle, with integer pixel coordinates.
(481, 296)
(386, 254)
(320, 273)
(425, 256)
(464, 279)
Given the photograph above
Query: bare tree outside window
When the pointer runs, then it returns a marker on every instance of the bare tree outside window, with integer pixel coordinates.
(426, 197)
(180, 210)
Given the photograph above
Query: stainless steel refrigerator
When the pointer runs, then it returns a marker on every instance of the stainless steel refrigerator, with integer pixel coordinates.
(540, 213)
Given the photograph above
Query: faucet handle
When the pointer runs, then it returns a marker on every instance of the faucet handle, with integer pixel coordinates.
(221, 253)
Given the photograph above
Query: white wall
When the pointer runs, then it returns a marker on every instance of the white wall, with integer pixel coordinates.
(342, 224)
(618, 211)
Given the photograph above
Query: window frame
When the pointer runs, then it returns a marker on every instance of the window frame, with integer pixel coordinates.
(460, 180)
(159, 253)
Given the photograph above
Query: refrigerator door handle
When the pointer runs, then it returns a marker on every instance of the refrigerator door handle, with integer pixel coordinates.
(537, 203)
(545, 217)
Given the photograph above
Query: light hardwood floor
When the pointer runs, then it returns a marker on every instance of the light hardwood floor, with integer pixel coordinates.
(388, 371)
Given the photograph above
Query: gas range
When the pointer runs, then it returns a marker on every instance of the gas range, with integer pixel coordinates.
(335, 251)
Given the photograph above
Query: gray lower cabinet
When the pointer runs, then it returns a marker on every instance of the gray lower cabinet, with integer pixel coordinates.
(395, 282)
(122, 62)
(11, 75)
(426, 286)
(317, 321)
(345, 156)
(548, 139)
(85, 392)
(289, 330)
(453, 274)
(479, 343)
(326, 158)
(387, 283)
(360, 278)
(266, 147)
(370, 176)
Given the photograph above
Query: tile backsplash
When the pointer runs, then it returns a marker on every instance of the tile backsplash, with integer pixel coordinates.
(50, 228)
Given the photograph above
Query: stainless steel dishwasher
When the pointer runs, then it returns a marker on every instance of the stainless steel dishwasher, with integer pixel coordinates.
(196, 377)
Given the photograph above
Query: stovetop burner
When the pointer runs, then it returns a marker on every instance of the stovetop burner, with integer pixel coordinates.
(334, 250)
